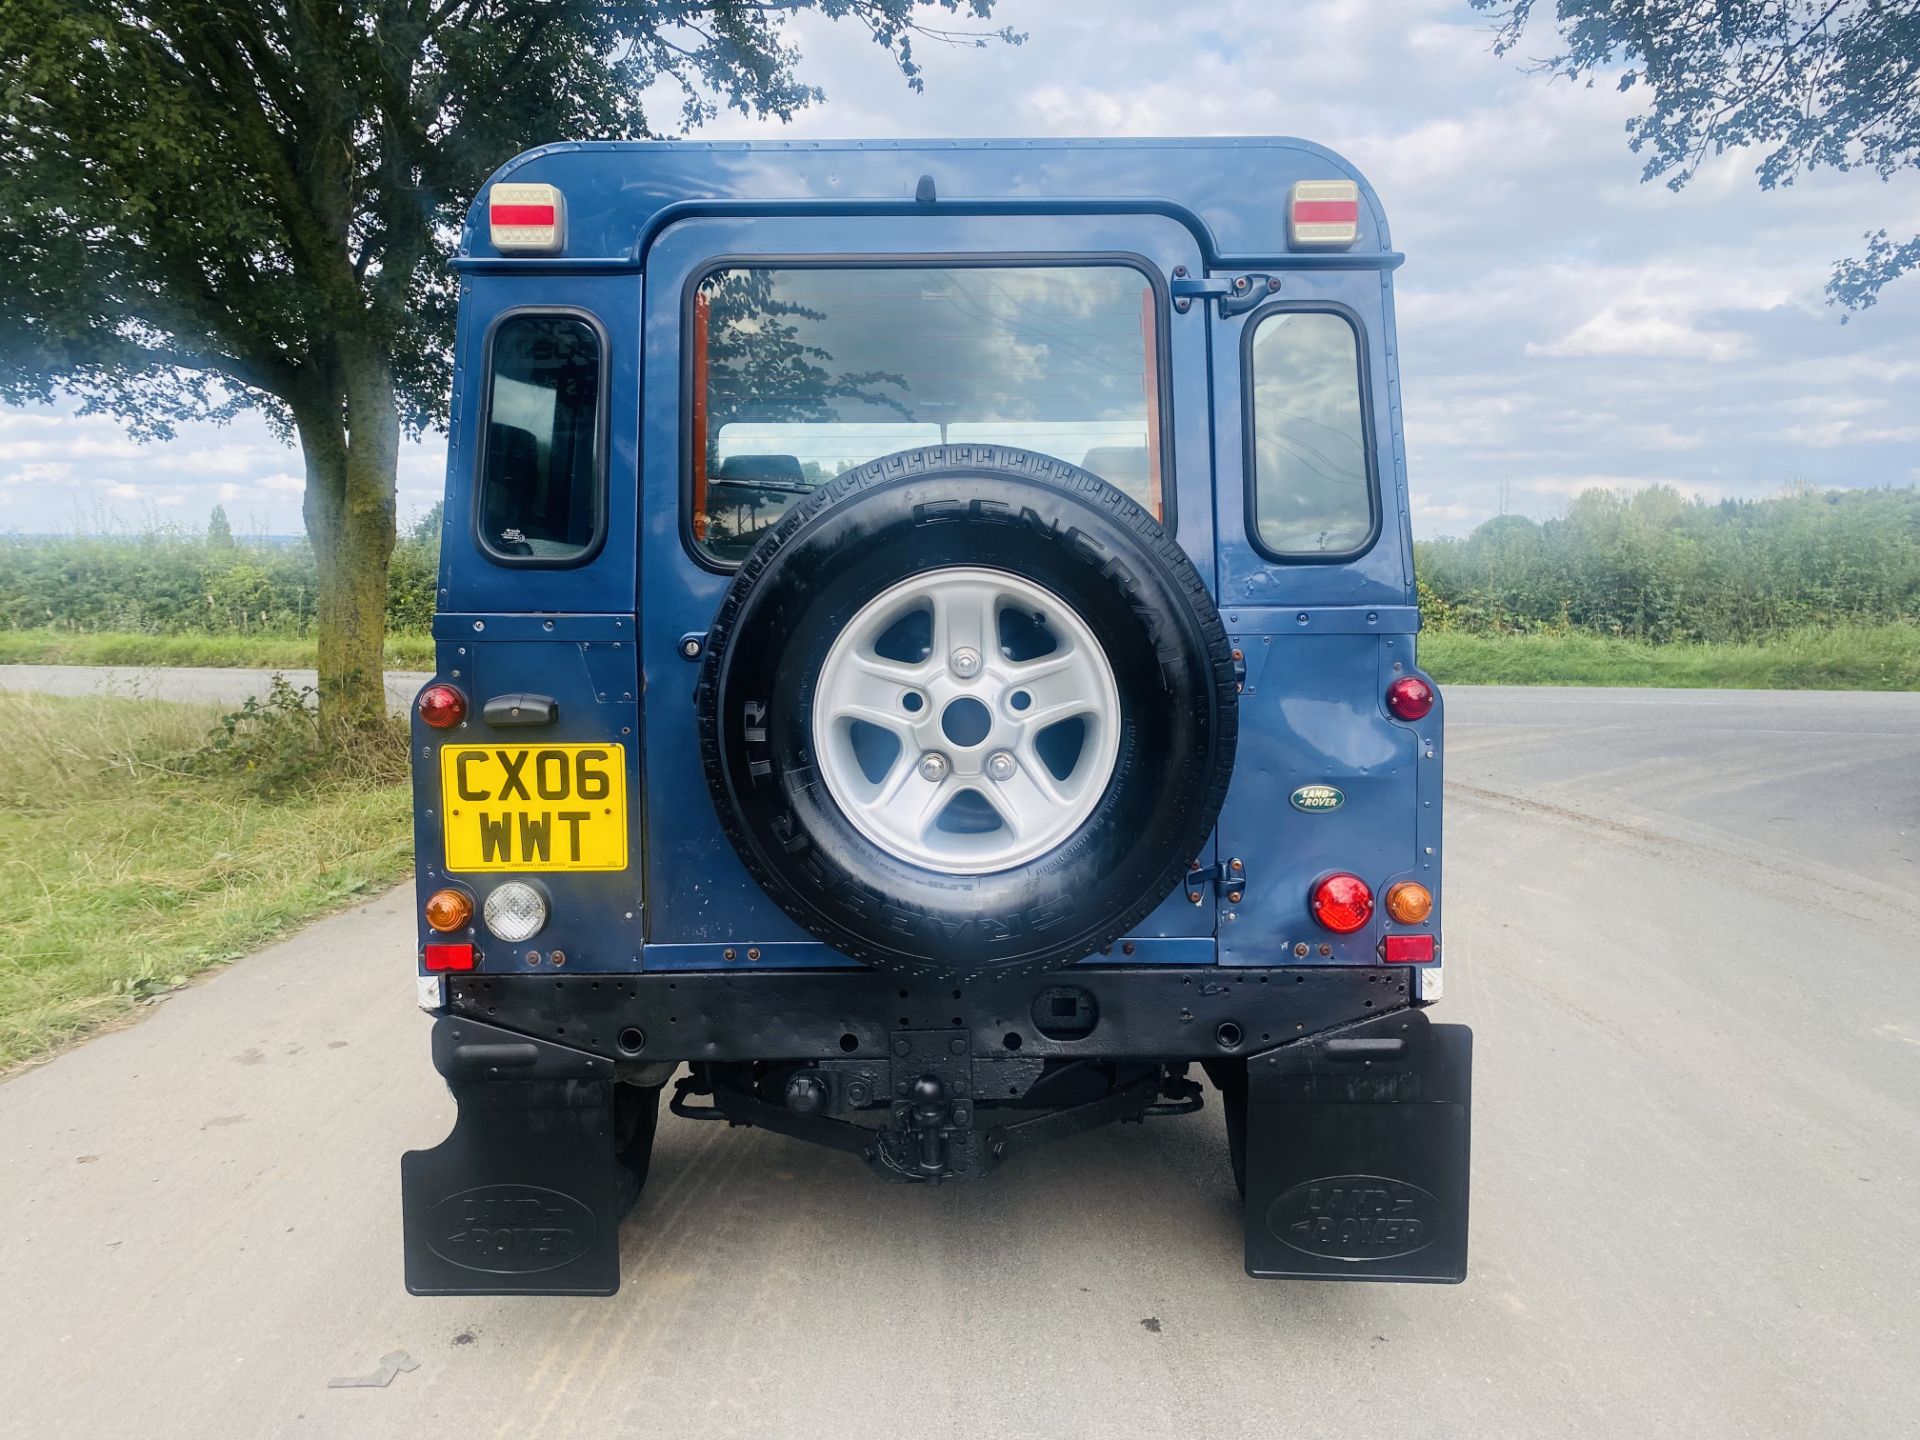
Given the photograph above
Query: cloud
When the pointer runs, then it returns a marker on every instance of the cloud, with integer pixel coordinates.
(1615, 331)
(1561, 325)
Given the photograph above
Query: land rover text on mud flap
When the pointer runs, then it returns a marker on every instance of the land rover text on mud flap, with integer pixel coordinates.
(926, 643)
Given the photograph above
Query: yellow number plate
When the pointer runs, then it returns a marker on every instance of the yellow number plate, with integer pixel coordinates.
(535, 807)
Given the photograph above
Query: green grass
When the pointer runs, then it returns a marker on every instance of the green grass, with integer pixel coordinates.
(256, 652)
(1846, 657)
(122, 875)
(1857, 657)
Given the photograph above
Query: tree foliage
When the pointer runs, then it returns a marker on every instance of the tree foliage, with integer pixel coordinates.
(1655, 566)
(1805, 83)
(216, 205)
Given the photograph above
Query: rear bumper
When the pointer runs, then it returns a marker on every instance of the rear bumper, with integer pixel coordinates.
(1158, 1012)
(1355, 1106)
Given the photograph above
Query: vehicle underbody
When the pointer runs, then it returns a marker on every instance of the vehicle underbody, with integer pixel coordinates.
(1327, 1075)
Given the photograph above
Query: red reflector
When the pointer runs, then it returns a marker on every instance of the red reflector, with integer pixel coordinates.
(1410, 698)
(1342, 903)
(1409, 950)
(521, 215)
(1320, 212)
(448, 957)
(441, 706)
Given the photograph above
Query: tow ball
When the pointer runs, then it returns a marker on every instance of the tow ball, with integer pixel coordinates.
(926, 1122)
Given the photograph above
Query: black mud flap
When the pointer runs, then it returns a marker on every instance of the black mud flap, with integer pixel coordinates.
(522, 1197)
(1357, 1153)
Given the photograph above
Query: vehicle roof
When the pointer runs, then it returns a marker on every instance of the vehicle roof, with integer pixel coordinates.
(1230, 190)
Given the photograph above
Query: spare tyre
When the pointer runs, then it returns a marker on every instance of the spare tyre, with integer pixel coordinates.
(967, 710)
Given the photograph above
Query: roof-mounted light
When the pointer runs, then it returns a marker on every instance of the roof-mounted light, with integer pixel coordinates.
(1323, 214)
(527, 219)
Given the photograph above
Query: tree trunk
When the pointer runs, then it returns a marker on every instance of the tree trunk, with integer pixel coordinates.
(351, 446)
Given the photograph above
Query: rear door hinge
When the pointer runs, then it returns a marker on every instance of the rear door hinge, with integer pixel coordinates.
(1236, 293)
(1230, 879)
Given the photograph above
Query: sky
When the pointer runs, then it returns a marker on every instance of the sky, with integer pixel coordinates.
(1562, 325)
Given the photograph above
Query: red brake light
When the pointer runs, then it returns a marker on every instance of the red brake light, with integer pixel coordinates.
(1408, 950)
(527, 219)
(442, 706)
(448, 957)
(1342, 903)
(1410, 698)
(1323, 214)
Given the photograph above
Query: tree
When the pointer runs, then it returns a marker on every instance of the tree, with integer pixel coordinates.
(1804, 82)
(220, 205)
(219, 529)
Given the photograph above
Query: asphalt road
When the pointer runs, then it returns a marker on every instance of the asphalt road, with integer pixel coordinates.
(1682, 925)
(185, 683)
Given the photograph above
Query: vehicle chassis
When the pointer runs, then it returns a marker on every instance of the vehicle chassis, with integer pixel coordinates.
(928, 1081)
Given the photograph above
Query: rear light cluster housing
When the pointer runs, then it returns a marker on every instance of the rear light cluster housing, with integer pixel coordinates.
(1343, 903)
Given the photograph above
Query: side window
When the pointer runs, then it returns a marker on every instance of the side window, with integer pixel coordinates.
(540, 479)
(1312, 485)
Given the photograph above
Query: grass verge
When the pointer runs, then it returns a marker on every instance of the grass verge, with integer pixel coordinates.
(1857, 657)
(253, 652)
(123, 873)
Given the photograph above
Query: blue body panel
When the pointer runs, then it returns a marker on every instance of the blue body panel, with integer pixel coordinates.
(1321, 641)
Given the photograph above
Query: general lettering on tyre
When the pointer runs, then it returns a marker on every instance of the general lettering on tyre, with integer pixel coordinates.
(754, 732)
(1113, 567)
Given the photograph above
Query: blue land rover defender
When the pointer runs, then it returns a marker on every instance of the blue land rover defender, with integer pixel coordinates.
(925, 662)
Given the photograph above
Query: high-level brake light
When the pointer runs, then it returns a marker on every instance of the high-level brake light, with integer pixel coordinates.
(527, 219)
(1342, 903)
(441, 706)
(1410, 698)
(1323, 214)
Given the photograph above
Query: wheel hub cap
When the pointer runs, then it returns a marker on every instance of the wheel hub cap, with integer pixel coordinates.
(966, 720)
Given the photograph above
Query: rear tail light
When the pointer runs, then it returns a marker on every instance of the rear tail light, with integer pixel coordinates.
(1342, 903)
(441, 706)
(1408, 950)
(1410, 698)
(527, 219)
(1323, 214)
(1409, 903)
(449, 910)
(515, 911)
(438, 957)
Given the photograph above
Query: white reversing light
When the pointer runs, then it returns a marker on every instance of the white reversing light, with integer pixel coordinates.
(515, 911)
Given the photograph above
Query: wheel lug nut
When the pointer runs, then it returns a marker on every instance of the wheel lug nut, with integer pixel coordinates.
(966, 662)
(933, 766)
(1000, 765)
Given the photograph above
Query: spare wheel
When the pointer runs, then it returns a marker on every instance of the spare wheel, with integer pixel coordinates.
(968, 710)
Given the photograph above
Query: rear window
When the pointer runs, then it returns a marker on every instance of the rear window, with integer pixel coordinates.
(540, 473)
(1312, 485)
(800, 373)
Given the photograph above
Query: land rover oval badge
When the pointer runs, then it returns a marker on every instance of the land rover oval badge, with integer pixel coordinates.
(1315, 798)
